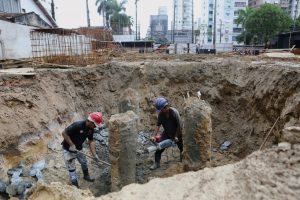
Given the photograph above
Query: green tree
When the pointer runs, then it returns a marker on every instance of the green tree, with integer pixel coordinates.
(266, 22)
(118, 20)
(104, 8)
(242, 20)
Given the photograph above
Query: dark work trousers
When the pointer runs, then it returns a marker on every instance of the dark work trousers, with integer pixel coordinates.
(158, 153)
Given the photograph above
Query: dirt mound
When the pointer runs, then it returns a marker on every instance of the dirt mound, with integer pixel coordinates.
(58, 191)
(269, 174)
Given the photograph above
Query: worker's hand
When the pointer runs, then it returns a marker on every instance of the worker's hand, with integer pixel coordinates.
(96, 158)
(153, 139)
(176, 139)
(73, 149)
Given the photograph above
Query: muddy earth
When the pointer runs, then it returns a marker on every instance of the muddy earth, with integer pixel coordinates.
(247, 96)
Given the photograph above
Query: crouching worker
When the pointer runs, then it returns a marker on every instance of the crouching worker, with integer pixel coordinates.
(169, 118)
(74, 136)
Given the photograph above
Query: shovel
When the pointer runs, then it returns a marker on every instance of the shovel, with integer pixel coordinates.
(101, 161)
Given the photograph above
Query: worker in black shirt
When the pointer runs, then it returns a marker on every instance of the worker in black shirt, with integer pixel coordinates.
(169, 118)
(74, 136)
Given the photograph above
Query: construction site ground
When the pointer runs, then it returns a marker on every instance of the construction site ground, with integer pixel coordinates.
(247, 95)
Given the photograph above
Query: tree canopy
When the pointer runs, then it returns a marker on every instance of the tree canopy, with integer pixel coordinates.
(112, 14)
(264, 23)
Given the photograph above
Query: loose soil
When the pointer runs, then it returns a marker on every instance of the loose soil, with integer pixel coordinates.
(247, 95)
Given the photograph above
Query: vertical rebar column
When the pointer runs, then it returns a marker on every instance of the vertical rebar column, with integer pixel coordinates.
(122, 148)
(196, 133)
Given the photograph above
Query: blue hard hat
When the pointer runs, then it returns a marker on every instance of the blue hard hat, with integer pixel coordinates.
(160, 103)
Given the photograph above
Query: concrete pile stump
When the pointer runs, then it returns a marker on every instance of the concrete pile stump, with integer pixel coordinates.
(122, 140)
(196, 133)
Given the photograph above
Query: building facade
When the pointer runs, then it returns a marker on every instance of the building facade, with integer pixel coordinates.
(183, 14)
(158, 26)
(226, 30)
(237, 29)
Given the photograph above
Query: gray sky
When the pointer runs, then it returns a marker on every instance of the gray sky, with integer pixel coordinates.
(72, 13)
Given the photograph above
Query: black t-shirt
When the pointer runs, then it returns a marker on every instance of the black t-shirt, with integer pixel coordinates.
(78, 132)
(171, 124)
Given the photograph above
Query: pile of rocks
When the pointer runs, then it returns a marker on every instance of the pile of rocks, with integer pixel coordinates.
(21, 179)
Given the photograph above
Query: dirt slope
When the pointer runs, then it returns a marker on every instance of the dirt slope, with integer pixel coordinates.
(246, 94)
(270, 174)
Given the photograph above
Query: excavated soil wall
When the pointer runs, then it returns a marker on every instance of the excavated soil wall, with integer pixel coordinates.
(246, 99)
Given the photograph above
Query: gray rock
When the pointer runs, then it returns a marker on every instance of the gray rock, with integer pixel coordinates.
(284, 146)
(11, 190)
(17, 170)
(39, 165)
(225, 146)
(39, 175)
(2, 186)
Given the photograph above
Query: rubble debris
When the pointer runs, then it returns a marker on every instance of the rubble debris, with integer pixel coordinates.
(225, 146)
(2, 186)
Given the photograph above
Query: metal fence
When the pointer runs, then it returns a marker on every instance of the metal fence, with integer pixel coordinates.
(69, 48)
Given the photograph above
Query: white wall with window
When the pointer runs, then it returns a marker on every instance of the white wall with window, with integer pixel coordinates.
(29, 6)
(238, 29)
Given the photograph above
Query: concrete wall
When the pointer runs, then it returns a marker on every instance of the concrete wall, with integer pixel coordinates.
(15, 40)
(30, 6)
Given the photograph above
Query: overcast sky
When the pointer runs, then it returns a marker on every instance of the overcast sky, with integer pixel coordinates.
(72, 13)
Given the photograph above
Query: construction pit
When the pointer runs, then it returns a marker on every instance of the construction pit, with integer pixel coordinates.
(251, 104)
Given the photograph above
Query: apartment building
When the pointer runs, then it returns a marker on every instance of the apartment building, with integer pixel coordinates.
(183, 14)
(226, 28)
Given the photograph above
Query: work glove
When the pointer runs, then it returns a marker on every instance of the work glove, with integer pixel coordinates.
(176, 139)
(73, 149)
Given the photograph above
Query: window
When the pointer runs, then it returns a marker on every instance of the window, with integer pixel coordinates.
(10, 6)
(240, 4)
(237, 30)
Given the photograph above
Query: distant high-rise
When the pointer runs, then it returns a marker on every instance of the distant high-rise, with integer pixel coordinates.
(226, 29)
(183, 14)
(159, 24)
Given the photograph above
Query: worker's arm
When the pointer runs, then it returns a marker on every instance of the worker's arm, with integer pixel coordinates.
(67, 138)
(92, 146)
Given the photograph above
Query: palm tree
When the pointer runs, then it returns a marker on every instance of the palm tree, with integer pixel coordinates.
(104, 8)
(242, 19)
(118, 19)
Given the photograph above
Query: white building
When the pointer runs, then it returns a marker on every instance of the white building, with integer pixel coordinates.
(226, 29)
(17, 19)
(237, 29)
(294, 8)
(183, 14)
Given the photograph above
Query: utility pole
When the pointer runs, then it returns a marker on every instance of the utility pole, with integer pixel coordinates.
(192, 21)
(174, 21)
(53, 9)
(136, 26)
(88, 14)
(220, 31)
(215, 24)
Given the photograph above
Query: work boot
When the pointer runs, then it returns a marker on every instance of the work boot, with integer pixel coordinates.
(86, 176)
(75, 182)
(155, 166)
